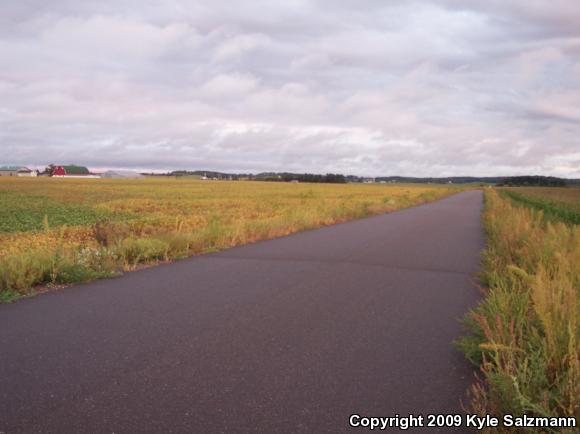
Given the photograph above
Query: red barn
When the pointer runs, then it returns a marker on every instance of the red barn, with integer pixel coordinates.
(72, 171)
(59, 171)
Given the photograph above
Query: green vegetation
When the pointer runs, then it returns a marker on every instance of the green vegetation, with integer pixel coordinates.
(526, 332)
(19, 273)
(21, 212)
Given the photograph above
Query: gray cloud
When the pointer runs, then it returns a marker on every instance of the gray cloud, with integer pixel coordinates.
(362, 87)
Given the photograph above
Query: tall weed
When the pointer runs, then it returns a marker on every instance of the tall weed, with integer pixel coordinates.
(525, 333)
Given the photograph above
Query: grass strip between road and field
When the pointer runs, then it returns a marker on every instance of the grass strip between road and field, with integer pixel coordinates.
(525, 333)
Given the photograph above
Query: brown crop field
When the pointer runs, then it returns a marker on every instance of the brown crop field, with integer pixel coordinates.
(57, 231)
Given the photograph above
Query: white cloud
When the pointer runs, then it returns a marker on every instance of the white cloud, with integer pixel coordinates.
(238, 45)
(364, 87)
(229, 86)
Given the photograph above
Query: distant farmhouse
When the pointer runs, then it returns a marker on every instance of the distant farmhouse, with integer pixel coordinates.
(70, 171)
(17, 171)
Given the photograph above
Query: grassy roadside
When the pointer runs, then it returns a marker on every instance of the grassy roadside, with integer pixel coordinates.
(170, 219)
(525, 334)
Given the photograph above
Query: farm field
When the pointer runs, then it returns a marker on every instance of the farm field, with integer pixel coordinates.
(526, 333)
(55, 231)
(557, 204)
(568, 195)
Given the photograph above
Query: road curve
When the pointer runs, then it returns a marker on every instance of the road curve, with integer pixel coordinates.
(289, 335)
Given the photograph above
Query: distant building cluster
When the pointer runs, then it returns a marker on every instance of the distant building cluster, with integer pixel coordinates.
(66, 171)
(17, 171)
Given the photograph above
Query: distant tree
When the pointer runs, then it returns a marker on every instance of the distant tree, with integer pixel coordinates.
(533, 181)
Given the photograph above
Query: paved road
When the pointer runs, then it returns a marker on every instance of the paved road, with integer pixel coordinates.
(290, 335)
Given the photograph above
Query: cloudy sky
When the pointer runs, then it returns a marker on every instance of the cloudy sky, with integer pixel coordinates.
(368, 87)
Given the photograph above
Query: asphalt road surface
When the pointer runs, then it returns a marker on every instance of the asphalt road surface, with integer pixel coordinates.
(289, 335)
